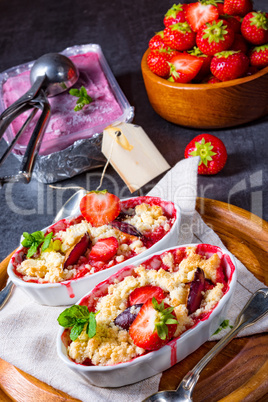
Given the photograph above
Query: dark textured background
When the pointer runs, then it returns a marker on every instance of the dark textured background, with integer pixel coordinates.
(122, 28)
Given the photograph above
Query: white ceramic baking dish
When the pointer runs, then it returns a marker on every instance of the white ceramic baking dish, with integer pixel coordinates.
(177, 349)
(69, 292)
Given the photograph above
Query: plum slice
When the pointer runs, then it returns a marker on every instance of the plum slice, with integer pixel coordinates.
(79, 249)
(124, 214)
(126, 318)
(126, 228)
(195, 295)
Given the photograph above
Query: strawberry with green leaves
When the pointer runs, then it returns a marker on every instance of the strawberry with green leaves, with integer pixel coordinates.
(237, 7)
(205, 68)
(229, 65)
(212, 152)
(154, 325)
(179, 36)
(214, 37)
(258, 56)
(100, 207)
(184, 67)
(254, 28)
(157, 41)
(158, 62)
(174, 15)
(201, 12)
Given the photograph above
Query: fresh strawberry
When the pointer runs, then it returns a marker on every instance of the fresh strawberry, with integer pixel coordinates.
(219, 5)
(229, 65)
(174, 15)
(233, 22)
(205, 68)
(142, 294)
(104, 249)
(211, 150)
(154, 325)
(214, 37)
(237, 7)
(157, 42)
(100, 207)
(240, 43)
(184, 67)
(179, 36)
(158, 62)
(254, 28)
(258, 56)
(199, 13)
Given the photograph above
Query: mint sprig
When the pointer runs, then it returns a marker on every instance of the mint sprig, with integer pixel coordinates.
(83, 98)
(76, 317)
(223, 325)
(165, 318)
(33, 241)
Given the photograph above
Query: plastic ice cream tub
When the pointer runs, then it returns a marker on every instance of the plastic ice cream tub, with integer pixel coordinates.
(69, 133)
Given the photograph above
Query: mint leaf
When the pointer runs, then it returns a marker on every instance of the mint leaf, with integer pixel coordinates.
(76, 317)
(83, 98)
(223, 325)
(92, 325)
(33, 241)
(47, 241)
(76, 330)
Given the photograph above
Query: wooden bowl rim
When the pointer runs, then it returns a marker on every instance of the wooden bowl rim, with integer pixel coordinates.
(162, 81)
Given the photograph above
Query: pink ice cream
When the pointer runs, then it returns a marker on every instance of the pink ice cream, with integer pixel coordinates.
(66, 125)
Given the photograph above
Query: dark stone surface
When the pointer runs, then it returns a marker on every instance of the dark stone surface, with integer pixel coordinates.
(122, 28)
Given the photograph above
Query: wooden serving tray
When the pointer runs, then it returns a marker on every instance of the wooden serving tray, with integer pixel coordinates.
(238, 373)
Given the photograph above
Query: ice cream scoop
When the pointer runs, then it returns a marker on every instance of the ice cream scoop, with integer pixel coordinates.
(50, 75)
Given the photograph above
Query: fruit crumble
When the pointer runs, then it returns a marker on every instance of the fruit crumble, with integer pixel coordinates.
(106, 234)
(142, 308)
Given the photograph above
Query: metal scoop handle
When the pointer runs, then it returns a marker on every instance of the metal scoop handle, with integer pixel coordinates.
(40, 102)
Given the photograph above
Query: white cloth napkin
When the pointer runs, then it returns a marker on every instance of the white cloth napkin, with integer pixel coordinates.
(28, 331)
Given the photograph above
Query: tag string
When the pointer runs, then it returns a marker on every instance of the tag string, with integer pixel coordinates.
(117, 134)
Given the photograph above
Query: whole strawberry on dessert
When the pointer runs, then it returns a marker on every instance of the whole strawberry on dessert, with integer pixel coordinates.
(237, 7)
(174, 15)
(254, 28)
(258, 56)
(229, 65)
(212, 152)
(214, 37)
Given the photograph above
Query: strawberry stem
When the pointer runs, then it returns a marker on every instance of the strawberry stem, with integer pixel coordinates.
(204, 150)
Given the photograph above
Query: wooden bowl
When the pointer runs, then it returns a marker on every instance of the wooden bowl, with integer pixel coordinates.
(209, 106)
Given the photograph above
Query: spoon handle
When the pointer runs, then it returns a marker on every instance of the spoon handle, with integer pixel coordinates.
(5, 294)
(255, 309)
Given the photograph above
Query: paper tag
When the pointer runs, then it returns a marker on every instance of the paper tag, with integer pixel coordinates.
(132, 154)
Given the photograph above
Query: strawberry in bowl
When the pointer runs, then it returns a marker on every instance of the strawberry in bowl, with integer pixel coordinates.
(147, 316)
(57, 265)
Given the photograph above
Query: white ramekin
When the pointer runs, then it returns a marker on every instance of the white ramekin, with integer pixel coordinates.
(177, 349)
(70, 291)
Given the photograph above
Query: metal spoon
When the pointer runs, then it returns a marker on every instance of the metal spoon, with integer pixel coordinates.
(50, 75)
(255, 309)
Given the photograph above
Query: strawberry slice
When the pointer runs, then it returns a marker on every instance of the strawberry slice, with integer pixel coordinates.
(141, 295)
(154, 325)
(184, 67)
(100, 207)
(104, 249)
(198, 14)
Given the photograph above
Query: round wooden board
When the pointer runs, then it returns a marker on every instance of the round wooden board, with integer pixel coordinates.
(239, 373)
